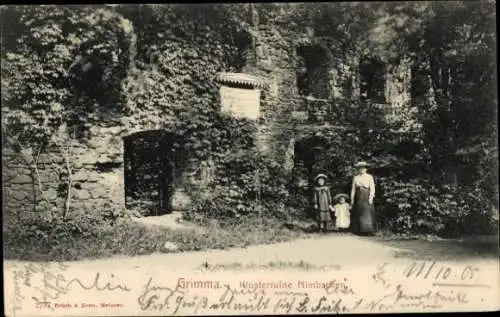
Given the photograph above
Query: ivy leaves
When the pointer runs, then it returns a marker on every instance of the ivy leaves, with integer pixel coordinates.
(55, 47)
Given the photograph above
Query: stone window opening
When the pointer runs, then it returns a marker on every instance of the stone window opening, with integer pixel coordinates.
(313, 72)
(245, 55)
(302, 80)
(150, 164)
(372, 80)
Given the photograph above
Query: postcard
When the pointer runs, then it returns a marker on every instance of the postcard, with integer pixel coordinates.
(249, 158)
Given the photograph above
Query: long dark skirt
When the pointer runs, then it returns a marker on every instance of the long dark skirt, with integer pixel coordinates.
(363, 214)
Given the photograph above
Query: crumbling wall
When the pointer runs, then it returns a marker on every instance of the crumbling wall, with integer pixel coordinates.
(93, 170)
(97, 165)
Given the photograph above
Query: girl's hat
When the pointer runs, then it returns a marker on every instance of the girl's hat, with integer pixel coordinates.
(321, 176)
(362, 164)
(337, 197)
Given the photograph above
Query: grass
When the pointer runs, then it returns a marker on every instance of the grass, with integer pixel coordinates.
(130, 238)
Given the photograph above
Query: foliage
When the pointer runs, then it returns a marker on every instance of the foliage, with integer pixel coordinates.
(44, 231)
(68, 68)
(179, 51)
(451, 45)
(91, 236)
(247, 184)
(419, 207)
(452, 48)
(172, 83)
(64, 62)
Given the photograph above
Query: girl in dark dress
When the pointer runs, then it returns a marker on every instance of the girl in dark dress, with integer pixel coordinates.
(322, 202)
(362, 195)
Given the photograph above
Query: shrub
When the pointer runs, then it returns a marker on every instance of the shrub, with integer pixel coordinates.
(35, 233)
(247, 184)
(83, 237)
(419, 207)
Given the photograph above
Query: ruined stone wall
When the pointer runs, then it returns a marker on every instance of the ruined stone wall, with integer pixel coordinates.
(96, 170)
(97, 175)
(19, 189)
(284, 109)
(398, 82)
(98, 165)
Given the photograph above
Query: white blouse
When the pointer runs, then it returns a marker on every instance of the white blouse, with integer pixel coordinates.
(364, 180)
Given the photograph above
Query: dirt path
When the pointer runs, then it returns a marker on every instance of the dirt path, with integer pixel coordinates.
(172, 220)
(333, 251)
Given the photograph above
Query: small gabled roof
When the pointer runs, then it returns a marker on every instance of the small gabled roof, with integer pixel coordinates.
(240, 78)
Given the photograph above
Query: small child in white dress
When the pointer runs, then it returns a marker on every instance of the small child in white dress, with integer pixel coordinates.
(342, 212)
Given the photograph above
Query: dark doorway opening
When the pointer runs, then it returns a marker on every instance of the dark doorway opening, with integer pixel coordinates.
(151, 159)
(372, 80)
(307, 152)
(307, 164)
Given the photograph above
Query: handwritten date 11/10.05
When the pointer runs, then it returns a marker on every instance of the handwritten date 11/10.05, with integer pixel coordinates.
(438, 272)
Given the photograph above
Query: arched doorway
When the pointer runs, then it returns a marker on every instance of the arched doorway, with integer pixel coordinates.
(307, 153)
(151, 159)
(307, 150)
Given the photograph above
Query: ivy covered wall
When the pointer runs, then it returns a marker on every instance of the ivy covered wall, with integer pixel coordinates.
(81, 80)
(156, 81)
(160, 75)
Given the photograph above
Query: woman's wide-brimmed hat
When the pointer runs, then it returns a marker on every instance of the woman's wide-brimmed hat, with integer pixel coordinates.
(362, 164)
(338, 196)
(321, 176)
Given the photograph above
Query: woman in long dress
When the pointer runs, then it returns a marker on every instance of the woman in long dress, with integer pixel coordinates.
(362, 195)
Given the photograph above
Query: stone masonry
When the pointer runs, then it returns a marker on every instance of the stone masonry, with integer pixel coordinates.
(98, 166)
